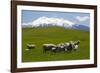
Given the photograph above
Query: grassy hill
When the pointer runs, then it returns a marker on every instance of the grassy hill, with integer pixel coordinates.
(55, 35)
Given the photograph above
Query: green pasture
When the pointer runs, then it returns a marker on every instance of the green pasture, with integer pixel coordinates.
(55, 35)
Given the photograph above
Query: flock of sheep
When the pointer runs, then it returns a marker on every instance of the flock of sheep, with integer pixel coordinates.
(62, 47)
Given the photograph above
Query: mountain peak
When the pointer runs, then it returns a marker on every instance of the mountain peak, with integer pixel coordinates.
(53, 21)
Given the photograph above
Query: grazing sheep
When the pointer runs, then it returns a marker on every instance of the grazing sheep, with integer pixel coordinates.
(66, 46)
(70, 47)
(49, 47)
(77, 42)
(73, 46)
(30, 46)
(76, 45)
(60, 47)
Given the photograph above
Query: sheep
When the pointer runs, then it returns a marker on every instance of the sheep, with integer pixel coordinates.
(69, 46)
(60, 47)
(77, 42)
(30, 46)
(49, 47)
(72, 45)
(66, 46)
(76, 45)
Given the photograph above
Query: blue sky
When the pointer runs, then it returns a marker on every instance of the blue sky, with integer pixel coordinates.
(78, 18)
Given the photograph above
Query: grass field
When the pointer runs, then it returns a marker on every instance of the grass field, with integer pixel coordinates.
(55, 35)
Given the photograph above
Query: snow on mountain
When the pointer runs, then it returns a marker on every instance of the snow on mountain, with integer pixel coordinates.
(46, 21)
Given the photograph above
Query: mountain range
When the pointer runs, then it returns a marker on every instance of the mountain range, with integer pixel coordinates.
(46, 21)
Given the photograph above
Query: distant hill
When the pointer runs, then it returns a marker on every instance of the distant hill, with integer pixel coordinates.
(81, 27)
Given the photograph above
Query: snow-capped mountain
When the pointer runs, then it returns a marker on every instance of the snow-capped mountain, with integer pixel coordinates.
(46, 21)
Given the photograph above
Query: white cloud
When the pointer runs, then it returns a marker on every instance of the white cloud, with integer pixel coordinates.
(82, 18)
